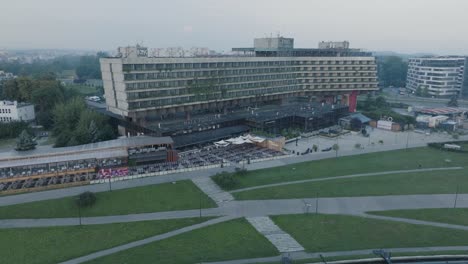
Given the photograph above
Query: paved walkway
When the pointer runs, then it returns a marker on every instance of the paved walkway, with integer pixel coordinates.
(345, 177)
(304, 255)
(145, 241)
(415, 222)
(280, 239)
(210, 188)
(340, 205)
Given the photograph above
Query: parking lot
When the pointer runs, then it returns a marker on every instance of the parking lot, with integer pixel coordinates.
(377, 139)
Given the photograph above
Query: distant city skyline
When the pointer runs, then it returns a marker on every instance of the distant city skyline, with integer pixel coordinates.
(417, 26)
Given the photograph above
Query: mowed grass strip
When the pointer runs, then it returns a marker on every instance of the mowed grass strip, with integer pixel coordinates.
(325, 233)
(182, 195)
(456, 216)
(364, 163)
(56, 244)
(436, 182)
(235, 239)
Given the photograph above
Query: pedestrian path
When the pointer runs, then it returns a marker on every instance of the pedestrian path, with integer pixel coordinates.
(370, 174)
(306, 255)
(280, 239)
(145, 241)
(210, 188)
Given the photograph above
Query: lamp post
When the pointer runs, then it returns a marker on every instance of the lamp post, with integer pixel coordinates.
(407, 139)
(200, 203)
(79, 210)
(110, 183)
(456, 198)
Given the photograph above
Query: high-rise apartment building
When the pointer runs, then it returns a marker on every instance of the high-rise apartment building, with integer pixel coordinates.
(441, 76)
(139, 87)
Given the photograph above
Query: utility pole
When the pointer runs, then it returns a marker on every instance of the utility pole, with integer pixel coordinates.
(110, 184)
(456, 198)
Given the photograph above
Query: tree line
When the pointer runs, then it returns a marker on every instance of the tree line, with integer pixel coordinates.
(376, 108)
(392, 71)
(85, 67)
(57, 108)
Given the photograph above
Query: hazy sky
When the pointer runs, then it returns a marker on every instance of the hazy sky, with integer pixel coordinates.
(397, 25)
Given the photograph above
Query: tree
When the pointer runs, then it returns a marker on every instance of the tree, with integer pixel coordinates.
(10, 90)
(380, 102)
(86, 199)
(25, 88)
(74, 124)
(315, 148)
(25, 142)
(418, 91)
(425, 92)
(392, 71)
(12, 129)
(453, 101)
(336, 147)
(225, 180)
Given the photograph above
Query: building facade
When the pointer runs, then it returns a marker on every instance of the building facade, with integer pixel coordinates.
(14, 111)
(137, 86)
(441, 76)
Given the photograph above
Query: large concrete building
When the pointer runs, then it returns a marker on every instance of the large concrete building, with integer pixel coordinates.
(14, 111)
(441, 76)
(140, 88)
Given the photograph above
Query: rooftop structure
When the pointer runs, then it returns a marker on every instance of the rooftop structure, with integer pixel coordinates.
(117, 148)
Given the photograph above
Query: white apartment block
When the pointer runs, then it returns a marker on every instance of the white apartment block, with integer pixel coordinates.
(14, 111)
(442, 76)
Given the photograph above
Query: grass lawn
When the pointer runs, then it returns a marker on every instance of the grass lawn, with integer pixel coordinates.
(393, 184)
(457, 216)
(372, 162)
(234, 239)
(323, 233)
(83, 89)
(55, 244)
(152, 198)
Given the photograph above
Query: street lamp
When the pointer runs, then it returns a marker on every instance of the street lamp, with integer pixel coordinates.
(110, 183)
(407, 139)
(79, 209)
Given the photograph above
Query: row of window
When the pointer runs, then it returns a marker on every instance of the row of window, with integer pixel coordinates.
(208, 89)
(226, 74)
(340, 80)
(158, 102)
(195, 74)
(211, 81)
(341, 86)
(5, 111)
(205, 65)
(212, 96)
(5, 119)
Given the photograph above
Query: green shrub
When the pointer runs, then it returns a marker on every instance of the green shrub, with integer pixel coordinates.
(86, 199)
(225, 180)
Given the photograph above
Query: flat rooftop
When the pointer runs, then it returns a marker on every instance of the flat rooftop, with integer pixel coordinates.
(100, 150)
